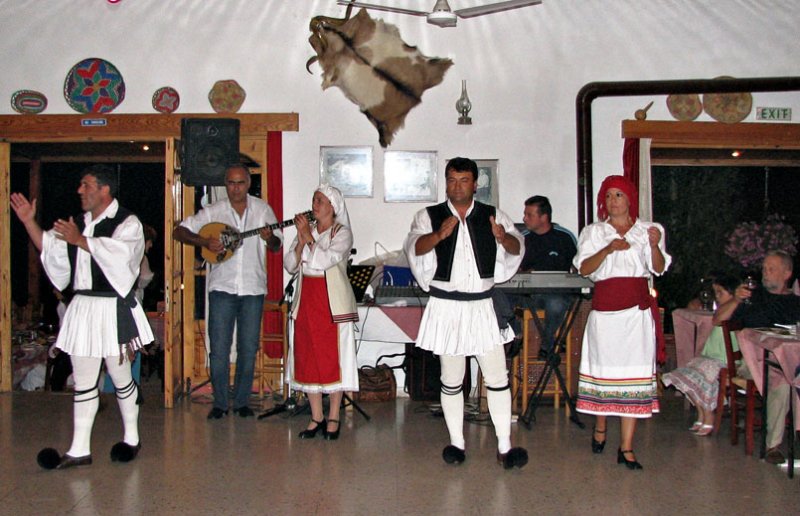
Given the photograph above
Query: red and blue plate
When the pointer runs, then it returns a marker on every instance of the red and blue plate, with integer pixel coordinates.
(94, 86)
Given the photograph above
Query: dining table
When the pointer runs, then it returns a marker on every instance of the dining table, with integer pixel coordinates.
(762, 350)
(691, 329)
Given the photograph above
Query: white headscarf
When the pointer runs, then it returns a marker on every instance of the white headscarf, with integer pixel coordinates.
(337, 201)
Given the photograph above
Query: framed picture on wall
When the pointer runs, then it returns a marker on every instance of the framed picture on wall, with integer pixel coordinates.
(488, 191)
(409, 176)
(347, 168)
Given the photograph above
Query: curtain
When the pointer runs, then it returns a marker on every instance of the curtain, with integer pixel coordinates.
(645, 180)
(273, 321)
(636, 168)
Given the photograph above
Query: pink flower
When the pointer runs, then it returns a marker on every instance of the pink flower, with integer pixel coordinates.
(749, 242)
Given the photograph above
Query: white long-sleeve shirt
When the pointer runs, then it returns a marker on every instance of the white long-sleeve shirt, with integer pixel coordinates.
(244, 273)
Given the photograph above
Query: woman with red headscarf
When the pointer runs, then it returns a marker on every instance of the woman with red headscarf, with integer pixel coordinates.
(618, 360)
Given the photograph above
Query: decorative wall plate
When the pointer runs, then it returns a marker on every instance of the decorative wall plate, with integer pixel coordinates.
(226, 96)
(166, 100)
(28, 102)
(94, 86)
(684, 107)
(728, 108)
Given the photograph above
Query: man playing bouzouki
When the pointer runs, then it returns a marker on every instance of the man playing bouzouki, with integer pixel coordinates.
(236, 286)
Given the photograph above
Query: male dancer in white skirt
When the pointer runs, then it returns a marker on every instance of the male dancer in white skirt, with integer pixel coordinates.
(98, 256)
(457, 251)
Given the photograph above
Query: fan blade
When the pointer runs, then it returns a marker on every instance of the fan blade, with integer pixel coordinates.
(382, 8)
(471, 12)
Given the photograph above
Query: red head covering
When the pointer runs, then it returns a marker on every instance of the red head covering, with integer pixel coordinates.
(627, 187)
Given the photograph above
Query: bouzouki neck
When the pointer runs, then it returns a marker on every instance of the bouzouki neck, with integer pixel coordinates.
(277, 225)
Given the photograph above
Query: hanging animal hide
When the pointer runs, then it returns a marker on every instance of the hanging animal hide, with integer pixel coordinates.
(374, 68)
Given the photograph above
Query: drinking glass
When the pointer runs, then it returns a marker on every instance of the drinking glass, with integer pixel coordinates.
(751, 284)
(707, 300)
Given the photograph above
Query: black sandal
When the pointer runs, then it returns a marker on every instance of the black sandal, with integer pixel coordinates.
(598, 446)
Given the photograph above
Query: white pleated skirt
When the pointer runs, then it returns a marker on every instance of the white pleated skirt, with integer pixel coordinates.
(90, 327)
(461, 328)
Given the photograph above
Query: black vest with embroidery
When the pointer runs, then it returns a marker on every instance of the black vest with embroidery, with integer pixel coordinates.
(104, 228)
(484, 245)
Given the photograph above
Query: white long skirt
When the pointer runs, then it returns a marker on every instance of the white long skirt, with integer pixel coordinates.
(461, 328)
(89, 328)
(618, 364)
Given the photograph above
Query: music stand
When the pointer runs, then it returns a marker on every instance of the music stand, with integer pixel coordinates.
(551, 367)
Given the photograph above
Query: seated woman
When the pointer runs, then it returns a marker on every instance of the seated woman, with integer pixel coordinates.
(699, 379)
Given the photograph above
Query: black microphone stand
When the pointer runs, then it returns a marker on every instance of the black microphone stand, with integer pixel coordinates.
(289, 401)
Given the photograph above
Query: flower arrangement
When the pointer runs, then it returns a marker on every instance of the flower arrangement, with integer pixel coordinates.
(750, 241)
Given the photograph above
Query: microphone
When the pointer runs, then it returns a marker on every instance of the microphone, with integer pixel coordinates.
(289, 290)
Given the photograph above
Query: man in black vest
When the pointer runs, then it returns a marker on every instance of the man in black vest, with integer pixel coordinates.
(457, 251)
(98, 256)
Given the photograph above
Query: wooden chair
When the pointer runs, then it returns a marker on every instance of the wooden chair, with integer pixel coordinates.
(527, 366)
(729, 386)
(271, 372)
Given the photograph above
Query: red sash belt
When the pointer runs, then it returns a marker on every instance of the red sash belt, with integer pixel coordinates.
(621, 293)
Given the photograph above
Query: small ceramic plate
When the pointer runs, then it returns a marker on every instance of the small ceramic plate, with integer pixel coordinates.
(226, 96)
(28, 102)
(94, 86)
(166, 100)
(684, 107)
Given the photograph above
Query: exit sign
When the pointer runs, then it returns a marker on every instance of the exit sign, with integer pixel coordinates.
(773, 113)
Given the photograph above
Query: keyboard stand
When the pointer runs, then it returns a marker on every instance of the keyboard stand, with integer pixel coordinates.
(551, 367)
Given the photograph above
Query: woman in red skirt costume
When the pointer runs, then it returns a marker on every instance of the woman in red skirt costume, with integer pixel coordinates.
(323, 357)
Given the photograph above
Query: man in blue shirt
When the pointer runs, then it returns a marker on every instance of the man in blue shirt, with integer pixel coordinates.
(548, 247)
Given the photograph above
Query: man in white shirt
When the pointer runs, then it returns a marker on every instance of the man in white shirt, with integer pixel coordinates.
(236, 286)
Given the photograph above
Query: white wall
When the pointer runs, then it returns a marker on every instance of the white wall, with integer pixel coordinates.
(523, 70)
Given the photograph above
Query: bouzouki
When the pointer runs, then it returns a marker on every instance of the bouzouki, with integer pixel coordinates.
(231, 238)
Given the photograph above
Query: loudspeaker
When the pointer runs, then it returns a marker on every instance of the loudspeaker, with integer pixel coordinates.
(422, 377)
(209, 146)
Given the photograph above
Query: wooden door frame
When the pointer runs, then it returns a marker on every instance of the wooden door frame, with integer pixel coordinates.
(714, 135)
(94, 128)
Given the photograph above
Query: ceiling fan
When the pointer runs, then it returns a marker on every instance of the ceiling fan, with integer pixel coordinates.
(441, 14)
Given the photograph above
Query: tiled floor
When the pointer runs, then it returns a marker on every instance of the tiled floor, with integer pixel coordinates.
(389, 465)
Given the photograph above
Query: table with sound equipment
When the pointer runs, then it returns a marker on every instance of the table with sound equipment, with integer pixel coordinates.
(386, 333)
(389, 326)
(541, 283)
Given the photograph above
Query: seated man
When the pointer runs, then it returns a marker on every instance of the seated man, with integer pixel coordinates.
(764, 307)
(548, 247)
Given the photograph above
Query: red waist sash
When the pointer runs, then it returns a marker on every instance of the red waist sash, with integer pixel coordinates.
(620, 293)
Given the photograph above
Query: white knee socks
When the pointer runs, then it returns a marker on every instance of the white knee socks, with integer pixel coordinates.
(452, 397)
(85, 403)
(127, 392)
(498, 395)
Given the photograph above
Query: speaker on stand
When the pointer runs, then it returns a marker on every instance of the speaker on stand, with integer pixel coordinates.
(209, 146)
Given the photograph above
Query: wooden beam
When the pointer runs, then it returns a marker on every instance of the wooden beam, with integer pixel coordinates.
(678, 162)
(92, 159)
(714, 134)
(34, 265)
(5, 270)
(107, 127)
